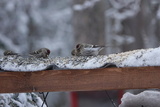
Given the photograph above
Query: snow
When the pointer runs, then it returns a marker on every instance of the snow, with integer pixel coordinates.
(10, 6)
(135, 58)
(118, 12)
(18, 63)
(9, 42)
(85, 5)
(22, 23)
(144, 99)
(127, 39)
(20, 100)
(47, 22)
(4, 99)
(158, 13)
(123, 9)
(143, 58)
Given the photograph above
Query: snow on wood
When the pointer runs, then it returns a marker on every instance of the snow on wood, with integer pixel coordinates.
(135, 58)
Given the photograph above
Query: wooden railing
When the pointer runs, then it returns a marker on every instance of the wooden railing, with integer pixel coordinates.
(80, 80)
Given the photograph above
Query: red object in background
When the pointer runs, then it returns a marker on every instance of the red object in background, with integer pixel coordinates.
(120, 94)
(74, 99)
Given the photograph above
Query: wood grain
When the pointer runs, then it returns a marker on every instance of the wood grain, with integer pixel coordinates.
(80, 80)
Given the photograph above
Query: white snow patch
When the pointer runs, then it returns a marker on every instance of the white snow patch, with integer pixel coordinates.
(20, 100)
(144, 99)
(92, 63)
(8, 42)
(116, 11)
(85, 5)
(10, 6)
(148, 57)
(124, 39)
(10, 65)
(158, 13)
(23, 23)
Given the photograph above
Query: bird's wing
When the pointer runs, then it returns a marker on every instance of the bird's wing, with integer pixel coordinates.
(89, 52)
(92, 49)
(98, 46)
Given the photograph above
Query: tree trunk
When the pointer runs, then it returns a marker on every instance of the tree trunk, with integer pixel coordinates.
(89, 23)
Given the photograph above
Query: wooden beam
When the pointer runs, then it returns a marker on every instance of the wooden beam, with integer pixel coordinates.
(80, 80)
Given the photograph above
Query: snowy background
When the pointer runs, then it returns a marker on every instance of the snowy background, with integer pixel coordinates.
(60, 24)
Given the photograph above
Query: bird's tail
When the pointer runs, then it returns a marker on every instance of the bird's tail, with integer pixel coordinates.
(109, 46)
(103, 46)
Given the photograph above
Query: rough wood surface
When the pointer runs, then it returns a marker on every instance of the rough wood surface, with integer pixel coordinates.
(80, 80)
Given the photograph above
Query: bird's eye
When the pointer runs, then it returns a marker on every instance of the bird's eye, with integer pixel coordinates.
(48, 51)
(78, 46)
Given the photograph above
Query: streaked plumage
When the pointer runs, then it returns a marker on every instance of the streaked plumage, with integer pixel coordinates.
(87, 50)
(41, 53)
(9, 52)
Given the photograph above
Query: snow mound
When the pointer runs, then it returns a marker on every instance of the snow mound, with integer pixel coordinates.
(20, 100)
(144, 99)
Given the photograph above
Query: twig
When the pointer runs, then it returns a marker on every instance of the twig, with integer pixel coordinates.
(113, 103)
(44, 98)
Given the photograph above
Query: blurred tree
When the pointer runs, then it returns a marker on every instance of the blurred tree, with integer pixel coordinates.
(89, 21)
(132, 24)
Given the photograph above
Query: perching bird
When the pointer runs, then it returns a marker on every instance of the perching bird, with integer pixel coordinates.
(9, 52)
(41, 53)
(87, 50)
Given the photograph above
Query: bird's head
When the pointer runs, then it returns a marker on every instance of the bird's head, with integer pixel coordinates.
(48, 51)
(78, 46)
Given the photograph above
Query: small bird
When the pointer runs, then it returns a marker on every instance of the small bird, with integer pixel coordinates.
(40, 53)
(9, 52)
(87, 50)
